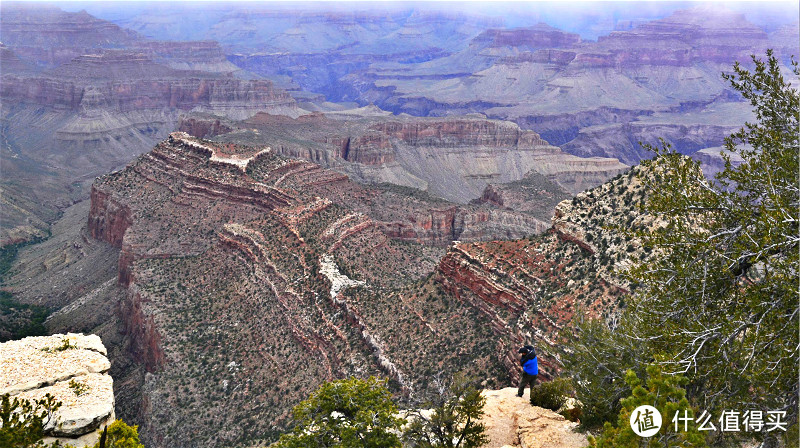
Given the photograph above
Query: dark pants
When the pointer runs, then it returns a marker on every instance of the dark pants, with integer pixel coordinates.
(524, 380)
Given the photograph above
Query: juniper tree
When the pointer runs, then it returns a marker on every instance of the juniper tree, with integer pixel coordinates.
(455, 421)
(22, 421)
(666, 394)
(719, 300)
(350, 413)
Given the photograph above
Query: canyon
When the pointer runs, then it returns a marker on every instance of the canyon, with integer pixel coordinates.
(91, 104)
(243, 202)
(239, 278)
(453, 158)
(574, 93)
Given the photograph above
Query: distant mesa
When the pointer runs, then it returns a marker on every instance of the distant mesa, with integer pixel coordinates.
(528, 38)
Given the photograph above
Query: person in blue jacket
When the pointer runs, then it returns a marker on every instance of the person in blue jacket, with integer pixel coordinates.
(530, 368)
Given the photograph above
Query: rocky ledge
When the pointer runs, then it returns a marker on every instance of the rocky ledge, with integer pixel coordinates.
(73, 368)
(511, 422)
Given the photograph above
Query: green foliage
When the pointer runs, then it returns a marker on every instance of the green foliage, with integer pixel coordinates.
(22, 320)
(663, 392)
(716, 300)
(121, 435)
(66, 344)
(719, 301)
(23, 421)
(454, 422)
(599, 357)
(78, 387)
(346, 413)
(551, 394)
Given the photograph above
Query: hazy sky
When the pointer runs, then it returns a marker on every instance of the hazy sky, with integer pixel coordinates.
(588, 18)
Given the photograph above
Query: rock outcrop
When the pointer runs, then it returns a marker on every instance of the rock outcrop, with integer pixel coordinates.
(72, 368)
(511, 422)
(529, 38)
(529, 290)
(534, 194)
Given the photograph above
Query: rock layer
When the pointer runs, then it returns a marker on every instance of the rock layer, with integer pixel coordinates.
(268, 241)
(452, 158)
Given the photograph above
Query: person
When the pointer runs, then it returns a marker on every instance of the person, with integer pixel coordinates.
(530, 368)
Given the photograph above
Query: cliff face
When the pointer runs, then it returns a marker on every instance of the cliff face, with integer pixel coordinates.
(264, 238)
(452, 158)
(530, 290)
(98, 112)
(540, 36)
(125, 81)
(204, 56)
(552, 83)
(47, 35)
(686, 37)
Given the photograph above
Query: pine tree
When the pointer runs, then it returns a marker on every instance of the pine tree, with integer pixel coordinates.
(350, 413)
(454, 422)
(719, 301)
(666, 394)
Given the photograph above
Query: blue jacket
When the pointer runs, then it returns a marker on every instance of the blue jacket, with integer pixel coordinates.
(530, 363)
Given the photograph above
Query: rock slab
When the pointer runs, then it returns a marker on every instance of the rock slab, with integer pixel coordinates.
(511, 422)
(71, 367)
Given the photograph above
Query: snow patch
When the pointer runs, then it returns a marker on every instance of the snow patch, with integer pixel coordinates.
(338, 280)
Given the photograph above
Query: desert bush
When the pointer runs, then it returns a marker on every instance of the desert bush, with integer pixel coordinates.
(551, 394)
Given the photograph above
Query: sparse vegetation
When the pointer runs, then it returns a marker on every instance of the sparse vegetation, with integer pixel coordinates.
(716, 298)
(454, 422)
(78, 387)
(551, 395)
(66, 344)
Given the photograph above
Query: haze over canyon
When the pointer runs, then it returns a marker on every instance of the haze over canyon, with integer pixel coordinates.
(245, 199)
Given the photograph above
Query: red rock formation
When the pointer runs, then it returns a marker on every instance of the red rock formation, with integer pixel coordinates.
(142, 329)
(202, 128)
(129, 81)
(459, 132)
(370, 149)
(108, 218)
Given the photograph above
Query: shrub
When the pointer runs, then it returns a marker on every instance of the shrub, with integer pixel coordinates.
(551, 394)
(665, 393)
(454, 423)
(78, 387)
(346, 413)
(120, 435)
(573, 414)
(22, 421)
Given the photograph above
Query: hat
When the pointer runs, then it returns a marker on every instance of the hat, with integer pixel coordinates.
(525, 349)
